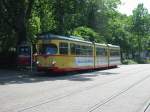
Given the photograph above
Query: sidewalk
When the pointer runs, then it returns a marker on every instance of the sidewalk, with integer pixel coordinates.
(4, 73)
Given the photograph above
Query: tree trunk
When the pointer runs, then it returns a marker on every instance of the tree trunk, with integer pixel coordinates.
(21, 27)
(22, 35)
(59, 12)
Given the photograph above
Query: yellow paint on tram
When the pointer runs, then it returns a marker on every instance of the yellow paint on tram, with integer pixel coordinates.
(62, 52)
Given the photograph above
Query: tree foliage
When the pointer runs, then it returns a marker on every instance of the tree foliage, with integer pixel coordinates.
(14, 16)
(92, 19)
(88, 34)
(140, 26)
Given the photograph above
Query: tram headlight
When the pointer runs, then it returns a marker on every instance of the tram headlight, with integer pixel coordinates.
(37, 62)
(53, 63)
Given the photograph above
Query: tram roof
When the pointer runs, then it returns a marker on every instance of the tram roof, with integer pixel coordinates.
(49, 36)
(105, 45)
(52, 36)
(113, 46)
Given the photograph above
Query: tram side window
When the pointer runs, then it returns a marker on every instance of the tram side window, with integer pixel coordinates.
(81, 50)
(115, 53)
(89, 51)
(78, 50)
(73, 49)
(63, 48)
(100, 51)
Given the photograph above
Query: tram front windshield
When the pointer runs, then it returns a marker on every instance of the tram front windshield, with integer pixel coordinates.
(48, 49)
(24, 51)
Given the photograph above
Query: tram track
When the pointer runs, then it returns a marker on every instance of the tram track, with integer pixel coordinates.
(107, 100)
(147, 107)
(55, 98)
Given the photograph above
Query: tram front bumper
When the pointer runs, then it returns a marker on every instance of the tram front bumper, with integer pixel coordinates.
(46, 69)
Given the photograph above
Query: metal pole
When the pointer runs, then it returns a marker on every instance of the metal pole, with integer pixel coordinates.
(31, 58)
(94, 54)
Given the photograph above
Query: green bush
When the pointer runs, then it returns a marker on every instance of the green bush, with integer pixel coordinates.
(129, 61)
(148, 61)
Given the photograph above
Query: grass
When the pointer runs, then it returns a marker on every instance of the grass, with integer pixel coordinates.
(132, 61)
(129, 61)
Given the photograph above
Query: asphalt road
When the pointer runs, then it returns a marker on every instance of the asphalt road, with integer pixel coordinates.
(123, 89)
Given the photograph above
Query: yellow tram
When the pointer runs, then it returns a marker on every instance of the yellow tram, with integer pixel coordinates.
(62, 54)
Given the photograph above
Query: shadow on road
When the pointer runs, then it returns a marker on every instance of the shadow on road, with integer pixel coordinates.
(17, 77)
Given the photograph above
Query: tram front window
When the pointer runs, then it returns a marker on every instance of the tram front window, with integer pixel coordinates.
(24, 51)
(48, 49)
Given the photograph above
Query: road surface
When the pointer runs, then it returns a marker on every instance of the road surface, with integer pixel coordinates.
(123, 89)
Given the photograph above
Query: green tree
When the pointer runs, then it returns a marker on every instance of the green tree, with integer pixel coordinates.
(15, 14)
(88, 34)
(140, 25)
(42, 19)
(100, 12)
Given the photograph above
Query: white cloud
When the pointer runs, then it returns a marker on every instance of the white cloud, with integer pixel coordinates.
(128, 6)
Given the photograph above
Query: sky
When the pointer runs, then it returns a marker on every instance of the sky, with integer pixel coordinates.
(127, 6)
